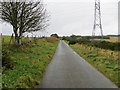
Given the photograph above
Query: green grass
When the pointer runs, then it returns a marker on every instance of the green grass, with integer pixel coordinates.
(30, 62)
(6, 39)
(108, 66)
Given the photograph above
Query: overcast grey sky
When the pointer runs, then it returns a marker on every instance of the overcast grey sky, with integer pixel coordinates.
(76, 17)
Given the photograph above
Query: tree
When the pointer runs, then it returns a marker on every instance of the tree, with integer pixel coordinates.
(24, 17)
(55, 35)
(73, 36)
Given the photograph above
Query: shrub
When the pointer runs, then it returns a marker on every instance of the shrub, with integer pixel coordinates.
(95, 43)
(55, 35)
(73, 42)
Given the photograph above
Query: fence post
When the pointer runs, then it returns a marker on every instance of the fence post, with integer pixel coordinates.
(11, 40)
(2, 40)
(27, 39)
(35, 37)
(22, 39)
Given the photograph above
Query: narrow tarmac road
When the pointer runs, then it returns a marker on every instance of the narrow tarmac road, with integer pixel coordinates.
(69, 70)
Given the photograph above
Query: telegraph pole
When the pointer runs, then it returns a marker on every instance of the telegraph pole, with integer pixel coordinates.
(97, 18)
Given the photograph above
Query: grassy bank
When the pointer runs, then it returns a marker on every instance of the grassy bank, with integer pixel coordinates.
(29, 63)
(105, 61)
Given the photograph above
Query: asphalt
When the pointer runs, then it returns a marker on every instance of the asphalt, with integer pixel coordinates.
(68, 70)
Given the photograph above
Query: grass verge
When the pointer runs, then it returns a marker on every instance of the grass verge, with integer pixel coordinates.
(29, 62)
(107, 65)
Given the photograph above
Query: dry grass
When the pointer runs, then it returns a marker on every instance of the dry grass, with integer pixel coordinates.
(51, 39)
(112, 39)
(107, 53)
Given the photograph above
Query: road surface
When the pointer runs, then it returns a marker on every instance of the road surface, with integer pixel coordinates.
(69, 70)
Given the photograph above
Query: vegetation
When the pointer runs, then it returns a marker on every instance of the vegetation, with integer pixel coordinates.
(96, 37)
(114, 35)
(6, 40)
(24, 17)
(100, 44)
(29, 62)
(106, 61)
(86, 37)
(101, 54)
(6, 59)
(112, 39)
(55, 35)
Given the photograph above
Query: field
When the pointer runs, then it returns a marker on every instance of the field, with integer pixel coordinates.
(6, 39)
(106, 61)
(29, 63)
(112, 39)
(9, 40)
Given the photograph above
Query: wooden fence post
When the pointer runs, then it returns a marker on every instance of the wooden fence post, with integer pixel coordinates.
(3, 40)
(27, 39)
(11, 40)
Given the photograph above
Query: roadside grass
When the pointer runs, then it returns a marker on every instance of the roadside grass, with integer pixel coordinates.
(30, 62)
(103, 62)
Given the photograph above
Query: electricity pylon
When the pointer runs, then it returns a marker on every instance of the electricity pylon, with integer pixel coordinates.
(97, 18)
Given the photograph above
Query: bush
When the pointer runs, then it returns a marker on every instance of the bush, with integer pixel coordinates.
(95, 43)
(6, 59)
(55, 35)
(73, 42)
(95, 37)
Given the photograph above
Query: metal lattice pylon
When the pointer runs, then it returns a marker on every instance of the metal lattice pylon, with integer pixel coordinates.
(97, 18)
